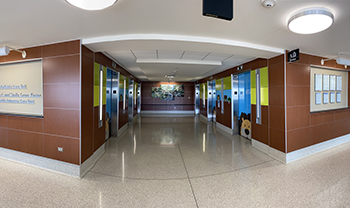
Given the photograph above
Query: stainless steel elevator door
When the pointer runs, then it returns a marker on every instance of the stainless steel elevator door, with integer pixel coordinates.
(197, 101)
(235, 110)
(115, 105)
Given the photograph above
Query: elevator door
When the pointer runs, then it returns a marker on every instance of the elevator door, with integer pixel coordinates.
(197, 99)
(210, 104)
(108, 103)
(130, 98)
(235, 110)
(138, 98)
(114, 104)
(214, 100)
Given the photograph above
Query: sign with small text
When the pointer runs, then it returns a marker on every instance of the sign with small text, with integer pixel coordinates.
(293, 55)
(21, 88)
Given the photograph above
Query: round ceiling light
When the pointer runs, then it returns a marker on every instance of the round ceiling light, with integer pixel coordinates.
(92, 4)
(310, 20)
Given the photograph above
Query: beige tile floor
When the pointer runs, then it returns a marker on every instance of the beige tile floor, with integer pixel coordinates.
(183, 162)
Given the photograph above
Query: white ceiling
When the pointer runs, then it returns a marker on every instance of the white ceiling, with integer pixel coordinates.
(174, 30)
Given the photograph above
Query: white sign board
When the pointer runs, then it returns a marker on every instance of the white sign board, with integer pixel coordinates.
(21, 88)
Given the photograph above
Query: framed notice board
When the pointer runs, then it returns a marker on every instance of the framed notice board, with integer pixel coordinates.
(328, 90)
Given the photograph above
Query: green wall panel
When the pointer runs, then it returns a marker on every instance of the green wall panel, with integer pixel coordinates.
(264, 86)
(218, 85)
(227, 83)
(96, 84)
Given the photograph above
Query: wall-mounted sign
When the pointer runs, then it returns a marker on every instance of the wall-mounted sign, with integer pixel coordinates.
(328, 89)
(21, 88)
(293, 55)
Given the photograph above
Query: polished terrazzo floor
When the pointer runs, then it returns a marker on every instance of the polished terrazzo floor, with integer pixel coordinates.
(183, 162)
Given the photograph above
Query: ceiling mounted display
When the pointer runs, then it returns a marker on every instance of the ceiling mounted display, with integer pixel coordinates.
(92, 4)
(310, 20)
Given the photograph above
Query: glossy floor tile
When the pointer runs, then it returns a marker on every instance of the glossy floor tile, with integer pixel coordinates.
(183, 162)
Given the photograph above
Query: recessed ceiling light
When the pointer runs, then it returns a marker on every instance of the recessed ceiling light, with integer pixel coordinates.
(310, 20)
(92, 4)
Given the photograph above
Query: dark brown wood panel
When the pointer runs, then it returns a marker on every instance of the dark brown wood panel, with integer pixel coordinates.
(174, 108)
(298, 95)
(342, 114)
(87, 52)
(316, 60)
(87, 70)
(63, 69)
(146, 108)
(298, 139)
(321, 133)
(276, 96)
(3, 138)
(87, 133)
(27, 142)
(276, 74)
(349, 94)
(3, 122)
(62, 95)
(25, 123)
(227, 116)
(70, 147)
(260, 133)
(62, 122)
(298, 117)
(276, 60)
(342, 127)
(61, 49)
(298, 74)
(277, 118)
(188, 107)
(220, 75)
(265, 115)
(304, 59)
(258, 63)
(322, 118)
(87, 99)
(277, 139)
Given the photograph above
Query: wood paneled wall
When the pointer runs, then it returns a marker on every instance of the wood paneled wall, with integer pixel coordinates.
(60, 125)
(304, 128)
(87, 99)
(276, 109)
(93, 136)
(185, 103)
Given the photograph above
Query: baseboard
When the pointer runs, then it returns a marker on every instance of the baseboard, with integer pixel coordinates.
(278, 155)
(92, 160)
(301, 153)
(167, 112)
(41, 162)
(298, 154)
(224, 128)
(123, 129)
